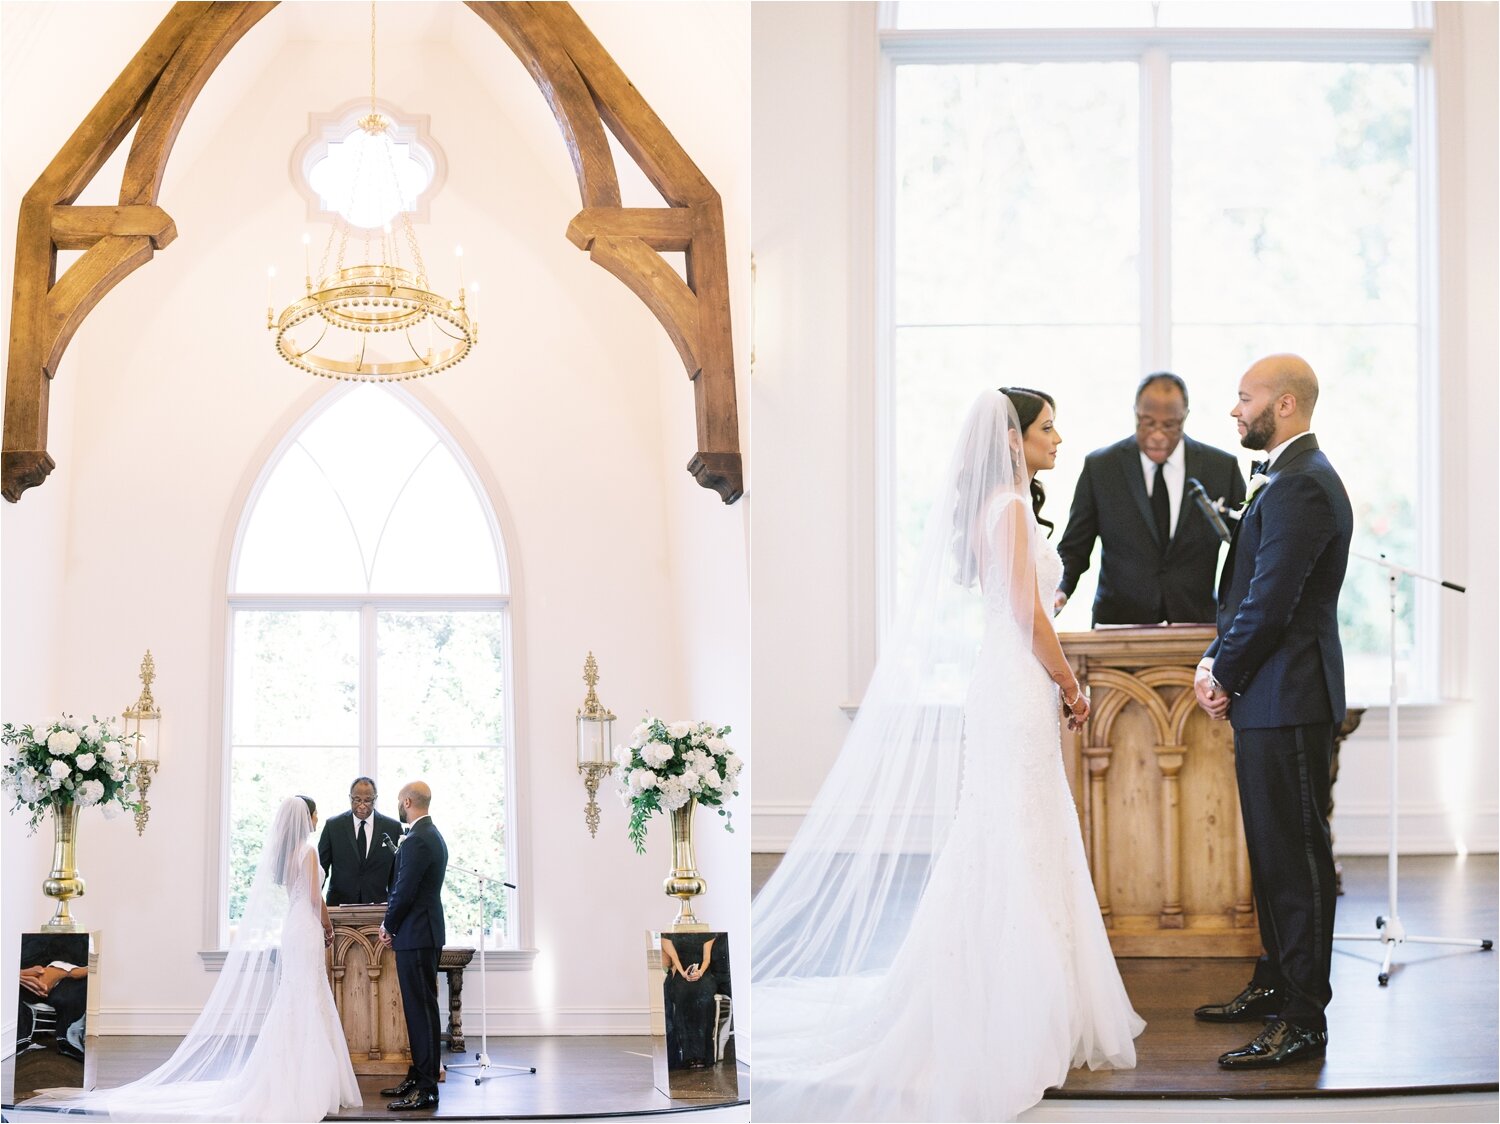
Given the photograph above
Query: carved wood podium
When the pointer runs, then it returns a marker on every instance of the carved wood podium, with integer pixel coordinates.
(363, 976)
(1153, 777)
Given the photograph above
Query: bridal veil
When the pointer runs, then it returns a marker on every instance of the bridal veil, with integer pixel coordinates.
(841, 902)
(217, 1048)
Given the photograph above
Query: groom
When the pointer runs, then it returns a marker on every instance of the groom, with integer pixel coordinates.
(1276, 671)
(413, 926)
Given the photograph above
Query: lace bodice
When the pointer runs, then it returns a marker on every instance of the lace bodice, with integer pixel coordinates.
(1049, 568)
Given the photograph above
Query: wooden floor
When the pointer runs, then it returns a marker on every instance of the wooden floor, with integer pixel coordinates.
(1433, 1030)
(583, 1076)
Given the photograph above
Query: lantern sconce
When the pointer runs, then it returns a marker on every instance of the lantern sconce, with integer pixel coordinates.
(143, 731)
(595, 734)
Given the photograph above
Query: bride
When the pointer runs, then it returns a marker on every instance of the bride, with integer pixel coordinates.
(268, 1045)
(930, 948)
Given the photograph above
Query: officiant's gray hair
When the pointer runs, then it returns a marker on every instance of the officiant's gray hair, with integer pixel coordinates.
(1163, 376)
(364, 780)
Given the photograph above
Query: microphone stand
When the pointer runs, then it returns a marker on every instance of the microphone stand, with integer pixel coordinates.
(481, 1063)
(1392, 932)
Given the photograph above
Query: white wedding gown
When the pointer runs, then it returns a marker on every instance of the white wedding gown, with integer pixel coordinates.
(298, 1068)
(1005, 979)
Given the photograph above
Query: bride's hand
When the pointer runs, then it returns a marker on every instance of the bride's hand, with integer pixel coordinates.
(1077, 709)
(327, 935)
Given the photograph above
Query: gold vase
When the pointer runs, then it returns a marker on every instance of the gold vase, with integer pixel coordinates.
(63, 882)
(684, 883)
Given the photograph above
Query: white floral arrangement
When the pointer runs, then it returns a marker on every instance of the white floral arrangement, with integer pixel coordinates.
(668, 763)
(67, 762)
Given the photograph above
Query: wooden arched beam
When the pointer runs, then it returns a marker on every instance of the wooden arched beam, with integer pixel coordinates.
(587, 93)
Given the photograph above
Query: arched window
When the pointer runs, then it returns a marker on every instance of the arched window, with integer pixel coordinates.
(369, 634)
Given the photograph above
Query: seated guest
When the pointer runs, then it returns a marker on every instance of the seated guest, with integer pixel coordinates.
(1159, 551)
(358, 849)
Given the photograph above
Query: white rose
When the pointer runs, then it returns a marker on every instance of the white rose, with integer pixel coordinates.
(92, 732)
(713, 781)
(622, 756)
(90, 793)
(62, 743)
(656, 754)
(59, 772)
(85, 761)
(680, 729)
(715, 745)
(641, 780)
(640, 733)
(733, 764)
(112, 751)
(692, 780)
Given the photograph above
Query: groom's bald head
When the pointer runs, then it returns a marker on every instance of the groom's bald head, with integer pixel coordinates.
(418, 793)
(1275, 401)
(1287, 376)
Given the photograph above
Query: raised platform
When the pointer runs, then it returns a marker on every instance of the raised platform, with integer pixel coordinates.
(1426, 1047)
(576, 1078)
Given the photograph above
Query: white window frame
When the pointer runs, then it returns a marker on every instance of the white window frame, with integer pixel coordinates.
(334, 127)
(1438, 632)
(516, 951)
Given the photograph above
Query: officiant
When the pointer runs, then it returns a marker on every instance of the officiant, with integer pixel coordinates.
(1159, 552)
(358, 849)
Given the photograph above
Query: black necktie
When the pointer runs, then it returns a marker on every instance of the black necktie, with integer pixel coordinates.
(1161, 508)
(362, 839)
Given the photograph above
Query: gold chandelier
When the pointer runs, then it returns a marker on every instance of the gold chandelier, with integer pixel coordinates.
(357, 322)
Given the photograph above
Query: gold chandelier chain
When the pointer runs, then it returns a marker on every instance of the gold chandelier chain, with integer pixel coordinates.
(372, 57)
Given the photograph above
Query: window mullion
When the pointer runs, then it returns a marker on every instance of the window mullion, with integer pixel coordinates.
(368, 763)
(1156, 210)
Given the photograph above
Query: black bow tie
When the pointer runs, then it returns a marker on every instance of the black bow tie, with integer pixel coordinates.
(1260, 468)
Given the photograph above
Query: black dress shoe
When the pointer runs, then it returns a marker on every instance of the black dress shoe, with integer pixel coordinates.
(418, 1099)
(1279, 1043)
(404, 1089)
(1251, 1004)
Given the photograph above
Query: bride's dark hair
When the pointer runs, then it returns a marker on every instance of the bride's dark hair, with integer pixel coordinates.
(1028, 404)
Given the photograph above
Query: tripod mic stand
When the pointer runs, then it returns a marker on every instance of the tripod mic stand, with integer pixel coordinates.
(481, 1063)
(1392, 932)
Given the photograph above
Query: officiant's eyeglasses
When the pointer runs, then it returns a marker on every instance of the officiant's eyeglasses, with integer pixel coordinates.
(362, 800)
(1151, 425)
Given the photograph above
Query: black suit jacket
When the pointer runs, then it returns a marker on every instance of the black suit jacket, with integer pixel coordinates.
(356, 881)
(414, 913)
(1278, 652)
(1137, 574)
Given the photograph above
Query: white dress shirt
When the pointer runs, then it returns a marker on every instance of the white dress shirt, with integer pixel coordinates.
(1276, 452)
(1174, 472)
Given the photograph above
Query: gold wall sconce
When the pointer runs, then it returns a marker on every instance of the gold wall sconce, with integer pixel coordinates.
(595, 737)
(143, 731)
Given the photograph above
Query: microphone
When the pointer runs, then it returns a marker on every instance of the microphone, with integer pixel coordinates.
(1205, 505)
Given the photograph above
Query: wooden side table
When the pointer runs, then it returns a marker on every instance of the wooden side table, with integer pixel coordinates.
(454, 961)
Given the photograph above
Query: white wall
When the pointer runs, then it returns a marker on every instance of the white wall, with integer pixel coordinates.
(813, 393)
(571, 404)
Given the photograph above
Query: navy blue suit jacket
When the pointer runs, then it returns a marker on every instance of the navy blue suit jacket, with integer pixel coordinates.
(1136, 573)
(1278, 652)
(414, 911)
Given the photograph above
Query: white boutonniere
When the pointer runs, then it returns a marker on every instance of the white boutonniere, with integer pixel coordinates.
(1257, 482)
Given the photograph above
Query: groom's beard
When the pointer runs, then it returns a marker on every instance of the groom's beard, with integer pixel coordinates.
(1260, 429)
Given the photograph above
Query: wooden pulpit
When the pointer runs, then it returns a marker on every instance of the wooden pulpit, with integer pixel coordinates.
(1153, 777)
(362, 974)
